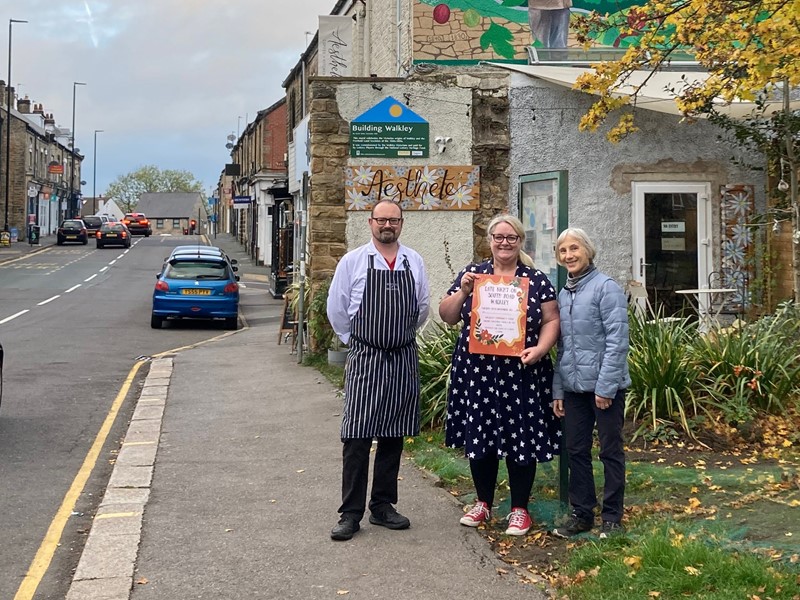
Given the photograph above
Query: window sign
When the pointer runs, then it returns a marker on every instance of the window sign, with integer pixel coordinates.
(673, 226)
(543, 212)
(389, 129)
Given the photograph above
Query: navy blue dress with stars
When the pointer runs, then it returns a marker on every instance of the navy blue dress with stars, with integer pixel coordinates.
(496, 405)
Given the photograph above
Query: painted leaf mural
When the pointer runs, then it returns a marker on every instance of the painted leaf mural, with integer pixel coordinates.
(473, 30)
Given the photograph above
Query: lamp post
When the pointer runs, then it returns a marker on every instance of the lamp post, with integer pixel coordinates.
(72, 195)
(8, 123)
(94, 173)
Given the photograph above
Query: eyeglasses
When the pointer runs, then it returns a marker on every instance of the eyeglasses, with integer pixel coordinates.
(384, 220)
(511, 239)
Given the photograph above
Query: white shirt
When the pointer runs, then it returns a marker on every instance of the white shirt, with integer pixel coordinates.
(350, 279)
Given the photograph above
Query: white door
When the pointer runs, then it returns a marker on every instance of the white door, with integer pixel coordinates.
(671, 240)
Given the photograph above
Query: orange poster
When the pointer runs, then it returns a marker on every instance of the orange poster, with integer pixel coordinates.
(498, 317)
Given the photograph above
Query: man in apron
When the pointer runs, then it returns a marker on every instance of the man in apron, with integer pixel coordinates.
(377, 300)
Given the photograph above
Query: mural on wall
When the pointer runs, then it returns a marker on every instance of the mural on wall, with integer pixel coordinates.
(472, 30)
(737, 207)
(414, 188)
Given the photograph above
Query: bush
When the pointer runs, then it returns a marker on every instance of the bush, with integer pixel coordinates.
(755, 367)
(661, 372)
(319, 328)
(436, 344)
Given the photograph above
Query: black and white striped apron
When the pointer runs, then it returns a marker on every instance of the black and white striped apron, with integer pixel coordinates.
(382, 377)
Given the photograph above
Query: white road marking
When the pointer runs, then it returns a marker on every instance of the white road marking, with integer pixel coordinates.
(90, 278)
(121, 255)
(104, 269)
(112, 262)
(49, 300)
(73, 288)
(19, 314)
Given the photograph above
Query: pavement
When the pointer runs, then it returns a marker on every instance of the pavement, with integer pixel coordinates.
(228, 480)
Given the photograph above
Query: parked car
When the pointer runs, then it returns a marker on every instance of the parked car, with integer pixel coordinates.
(196, 287)
(113, 234)
(72, 230)
(1, 373)
(93, 223)
(200, 250)
(137, 224)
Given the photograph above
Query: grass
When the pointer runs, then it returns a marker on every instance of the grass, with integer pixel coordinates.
(669, 562)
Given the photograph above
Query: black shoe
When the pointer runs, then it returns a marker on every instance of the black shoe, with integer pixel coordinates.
(611, 529)
(390, 518)
(573, 526)
(345, 528)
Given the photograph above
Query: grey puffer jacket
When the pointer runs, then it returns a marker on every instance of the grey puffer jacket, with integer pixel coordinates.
(593, 347)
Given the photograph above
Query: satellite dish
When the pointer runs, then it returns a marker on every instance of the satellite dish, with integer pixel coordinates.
(231, 137)
(229, 146)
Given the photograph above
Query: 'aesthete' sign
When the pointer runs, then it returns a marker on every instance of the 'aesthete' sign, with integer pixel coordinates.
(413, 188)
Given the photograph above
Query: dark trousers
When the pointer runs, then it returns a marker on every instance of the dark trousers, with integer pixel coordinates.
(520, 480)
(580, 416)
(355, 474)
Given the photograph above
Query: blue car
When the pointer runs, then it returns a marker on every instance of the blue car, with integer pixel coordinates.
(196, 287)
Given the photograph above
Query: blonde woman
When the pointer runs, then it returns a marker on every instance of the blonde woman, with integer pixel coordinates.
(498, 406)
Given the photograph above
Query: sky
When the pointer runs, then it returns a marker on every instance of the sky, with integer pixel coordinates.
(166, 80)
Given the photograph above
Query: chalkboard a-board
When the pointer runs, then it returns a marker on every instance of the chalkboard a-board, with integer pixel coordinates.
(288, 322)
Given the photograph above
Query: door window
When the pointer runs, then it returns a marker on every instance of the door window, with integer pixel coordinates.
(671, 237)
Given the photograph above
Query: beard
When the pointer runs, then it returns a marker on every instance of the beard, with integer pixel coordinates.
(387, 236)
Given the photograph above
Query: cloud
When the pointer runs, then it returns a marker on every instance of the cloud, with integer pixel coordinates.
(167, 80)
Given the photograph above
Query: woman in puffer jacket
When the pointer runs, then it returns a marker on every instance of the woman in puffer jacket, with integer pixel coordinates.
(591, 376)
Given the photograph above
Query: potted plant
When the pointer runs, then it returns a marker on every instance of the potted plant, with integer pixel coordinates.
(322, 335)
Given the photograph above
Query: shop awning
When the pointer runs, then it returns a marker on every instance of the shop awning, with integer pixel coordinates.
(654, 95)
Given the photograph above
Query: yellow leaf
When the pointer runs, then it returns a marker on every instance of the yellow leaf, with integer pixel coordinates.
(142, 581)
(691, 571)
(300, 471)
(634, 562)
(654, 594)
(342, 592)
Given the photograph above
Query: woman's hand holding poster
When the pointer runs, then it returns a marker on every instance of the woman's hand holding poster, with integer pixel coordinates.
(499, 311)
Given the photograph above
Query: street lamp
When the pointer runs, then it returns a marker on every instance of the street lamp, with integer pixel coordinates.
(94, 173)
(8, 121)
(72, 195)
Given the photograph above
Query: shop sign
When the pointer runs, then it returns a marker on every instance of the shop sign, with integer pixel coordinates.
(429, 187)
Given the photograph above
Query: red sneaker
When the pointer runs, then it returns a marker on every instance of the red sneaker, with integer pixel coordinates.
(476, 515)
(519, 522)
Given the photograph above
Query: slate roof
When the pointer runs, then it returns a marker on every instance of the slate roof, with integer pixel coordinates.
(171, 205)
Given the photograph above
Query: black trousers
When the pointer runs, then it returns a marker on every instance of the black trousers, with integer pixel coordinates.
(520, 480)
(355, 474)
(580, 416)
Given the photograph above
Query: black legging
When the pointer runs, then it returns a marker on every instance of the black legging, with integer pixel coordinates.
(520, 479)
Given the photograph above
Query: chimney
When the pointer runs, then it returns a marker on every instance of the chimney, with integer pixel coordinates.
(38, 109)
(49, 120)
(24, 105)
(2, 92)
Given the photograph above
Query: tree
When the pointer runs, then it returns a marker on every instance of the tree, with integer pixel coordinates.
(127, 189)
(750, 50)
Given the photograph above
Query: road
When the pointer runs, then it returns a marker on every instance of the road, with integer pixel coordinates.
(73, 322)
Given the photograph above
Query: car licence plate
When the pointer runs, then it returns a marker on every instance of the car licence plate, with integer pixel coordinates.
(111, 235)
(195, 292)
(72, 237)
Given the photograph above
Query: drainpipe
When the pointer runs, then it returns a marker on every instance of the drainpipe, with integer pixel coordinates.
(399, 24)
(303, 87)
(367, 39)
